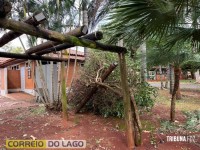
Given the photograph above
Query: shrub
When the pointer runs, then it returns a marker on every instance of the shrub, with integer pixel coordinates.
(105, 102)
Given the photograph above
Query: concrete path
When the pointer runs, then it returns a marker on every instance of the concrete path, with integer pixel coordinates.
(184, 86)
(16, 100)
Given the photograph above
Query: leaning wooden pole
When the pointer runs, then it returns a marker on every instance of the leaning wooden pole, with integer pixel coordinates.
(63, 89)
(95, 88)
(92, 36)
(76, 32)
(127, 102)
(22, 27)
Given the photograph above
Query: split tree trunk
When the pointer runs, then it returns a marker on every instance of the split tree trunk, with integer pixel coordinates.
(137, 123)
(127, 103)
(95, 88)
(177, 72)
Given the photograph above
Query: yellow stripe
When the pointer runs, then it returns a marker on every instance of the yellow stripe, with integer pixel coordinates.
(13, 144)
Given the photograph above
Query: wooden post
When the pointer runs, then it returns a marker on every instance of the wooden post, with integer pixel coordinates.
(127, 102)
(64, 96)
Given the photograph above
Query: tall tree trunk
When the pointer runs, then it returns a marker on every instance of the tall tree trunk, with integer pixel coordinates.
(167, 77)
(143, 63)
(178, 93)
(171, 78)
(177, 72)
(192, 74)
(161, 77)
(85, 22)
(64, 95)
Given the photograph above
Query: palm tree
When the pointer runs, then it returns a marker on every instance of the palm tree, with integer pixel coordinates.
(140, 20)
(133, 18)
(177, 56)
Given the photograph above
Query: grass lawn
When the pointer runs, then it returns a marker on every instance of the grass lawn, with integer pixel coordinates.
(188, 81)
(187, 103)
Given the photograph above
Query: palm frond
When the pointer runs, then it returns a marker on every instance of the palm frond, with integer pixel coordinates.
(139, 20)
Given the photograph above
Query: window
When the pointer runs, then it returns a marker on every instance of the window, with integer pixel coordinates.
(81, 65)
(29, 72)
(16, 67)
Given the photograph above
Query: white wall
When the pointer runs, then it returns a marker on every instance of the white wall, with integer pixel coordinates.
(197, 75)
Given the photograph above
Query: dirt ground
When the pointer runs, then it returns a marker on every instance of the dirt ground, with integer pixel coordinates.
(23, 119)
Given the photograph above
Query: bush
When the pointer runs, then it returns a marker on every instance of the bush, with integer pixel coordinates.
(193, 121)
(105, 102)
(145, 95)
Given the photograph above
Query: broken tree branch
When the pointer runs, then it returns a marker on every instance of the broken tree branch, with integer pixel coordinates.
(95, 88)
(110, 88)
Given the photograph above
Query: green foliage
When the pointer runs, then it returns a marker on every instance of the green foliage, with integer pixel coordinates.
(116, 109)
(193, 120)
(104, 101)
(11, 49)
(167, 126)
(145, 95)
(178, 55)
(41, 110)
(136, 20)
(192, 123)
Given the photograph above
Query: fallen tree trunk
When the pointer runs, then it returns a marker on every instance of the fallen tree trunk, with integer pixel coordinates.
(76, 32)
(5, 8)
(31, 57)
(55, 36)
(11, 35)
(92, 36)
(95, 88)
